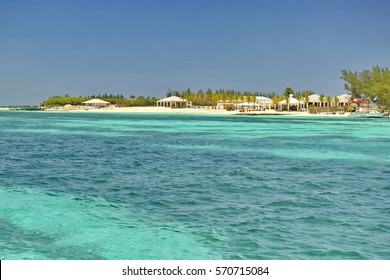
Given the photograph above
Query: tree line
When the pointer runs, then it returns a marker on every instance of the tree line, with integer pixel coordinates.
(118, 100)
(198, 98)
(211, 98)
(371, 84)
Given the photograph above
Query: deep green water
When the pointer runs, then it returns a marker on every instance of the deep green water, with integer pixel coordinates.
(154, 186)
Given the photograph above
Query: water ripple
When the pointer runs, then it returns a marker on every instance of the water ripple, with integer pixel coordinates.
(122, 186)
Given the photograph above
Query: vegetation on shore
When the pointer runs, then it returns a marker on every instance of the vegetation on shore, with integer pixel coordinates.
(371, 84)
(118, 100)
(368, 84)
(211, 98)
(199, 98)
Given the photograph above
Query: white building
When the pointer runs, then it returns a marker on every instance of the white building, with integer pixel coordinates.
(264, 103)
(344, 99)
(174, 102)
(292, 103)
(96, 103)
(314, 99)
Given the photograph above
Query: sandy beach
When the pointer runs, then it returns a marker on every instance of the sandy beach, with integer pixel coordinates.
(197, 111)
(167, 110)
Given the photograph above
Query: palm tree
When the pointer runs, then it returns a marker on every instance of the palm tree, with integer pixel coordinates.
(329, 100)
(322, 98)
(209, 96)
(224, 96)
(276, 99)
(306, 98)
(288, 91)
(200, 98)
(190, 97)
(240, 99)
(288, 102)
(214, 99)
(299, 98)
(336, 101)
(230, 97)
(253, 97)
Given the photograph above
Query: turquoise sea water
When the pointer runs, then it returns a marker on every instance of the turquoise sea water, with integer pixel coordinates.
(154, 186)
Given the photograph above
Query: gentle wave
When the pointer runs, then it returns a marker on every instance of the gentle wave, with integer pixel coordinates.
(134, 186)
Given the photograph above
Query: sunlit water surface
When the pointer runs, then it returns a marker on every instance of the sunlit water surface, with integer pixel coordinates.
(155, 186)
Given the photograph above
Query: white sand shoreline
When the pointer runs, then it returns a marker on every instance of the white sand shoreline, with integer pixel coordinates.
(196, 111)
(187, 111)
(144, 110)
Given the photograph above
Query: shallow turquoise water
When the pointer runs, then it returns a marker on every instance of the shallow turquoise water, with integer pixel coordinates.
(155, 186)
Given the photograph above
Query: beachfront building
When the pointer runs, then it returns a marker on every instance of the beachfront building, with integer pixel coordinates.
(292, 104)
(344, 100)
(315, 100)
(96, 103)
(244, 106)
(264, 103)
(174, 102)
(318, 101)
(221, 104)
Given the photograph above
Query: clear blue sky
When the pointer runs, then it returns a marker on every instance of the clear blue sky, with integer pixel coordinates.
(145, 47)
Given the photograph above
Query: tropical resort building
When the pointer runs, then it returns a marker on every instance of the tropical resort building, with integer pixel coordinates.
(315, 100)
(337, 101)
(223, 104)
(245, 105)
(291, 104)
(322, 104)
(262, 103)
(174, 102)
(96, 103)
(344, 100)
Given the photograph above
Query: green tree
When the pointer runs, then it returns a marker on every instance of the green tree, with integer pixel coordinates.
(253, 100)
(336, 101)
(299, 98)
(214, 100)
(373, 83)
(288, 91)
(276, 99)
(329, 101)
(353, 83)
(322, 99)
(288, 102)
(306, 95)
(380, 86)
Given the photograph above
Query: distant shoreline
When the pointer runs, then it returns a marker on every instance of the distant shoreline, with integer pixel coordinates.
(153, 109)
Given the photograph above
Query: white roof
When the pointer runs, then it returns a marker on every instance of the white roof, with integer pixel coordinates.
(172, 99)
(263, 99)
(314, 98)
(96, 101)
(344, 97)
(291, 100)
